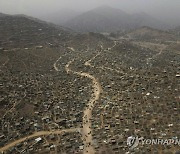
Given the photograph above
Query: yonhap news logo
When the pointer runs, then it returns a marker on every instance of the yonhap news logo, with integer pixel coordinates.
(134, 141)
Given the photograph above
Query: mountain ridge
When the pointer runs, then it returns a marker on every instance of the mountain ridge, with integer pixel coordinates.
(108, 19)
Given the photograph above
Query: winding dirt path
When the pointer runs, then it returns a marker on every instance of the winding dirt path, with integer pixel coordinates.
(55, 64)
(86, 130)
(148, 60)
(40, 133)
(37, 134)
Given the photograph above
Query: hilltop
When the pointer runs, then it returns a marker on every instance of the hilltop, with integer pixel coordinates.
(21, 30)
(108, 19)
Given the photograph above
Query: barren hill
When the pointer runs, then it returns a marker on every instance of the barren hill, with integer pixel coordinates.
(147, 33)
(107, 19)
(20, 30)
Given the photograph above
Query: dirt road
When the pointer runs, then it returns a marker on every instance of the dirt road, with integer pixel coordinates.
(86, 130)
(36, 134)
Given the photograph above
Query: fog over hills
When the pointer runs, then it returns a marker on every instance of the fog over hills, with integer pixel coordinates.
(59, 11)
(2, 14)
(60, 16)
(176, 31)
(100, 19)
(143, 19)
(108, 19)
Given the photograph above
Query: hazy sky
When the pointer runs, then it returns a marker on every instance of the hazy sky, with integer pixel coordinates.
(163, 9)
